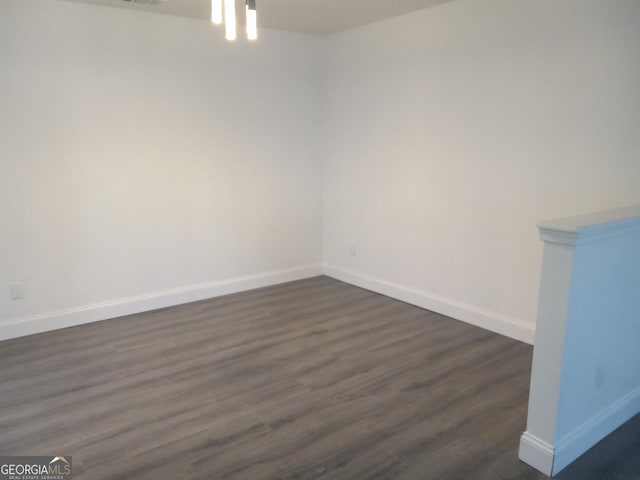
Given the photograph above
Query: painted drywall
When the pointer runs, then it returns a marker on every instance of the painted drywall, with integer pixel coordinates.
(144, 157)
(600, 382)
(449, 133)
(584, 380)
(537, 443)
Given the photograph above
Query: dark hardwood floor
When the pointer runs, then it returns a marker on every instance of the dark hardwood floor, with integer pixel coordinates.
(314, 379)
(617, 457)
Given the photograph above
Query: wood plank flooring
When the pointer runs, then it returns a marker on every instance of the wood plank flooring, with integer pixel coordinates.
(616, 457)
(313, 379)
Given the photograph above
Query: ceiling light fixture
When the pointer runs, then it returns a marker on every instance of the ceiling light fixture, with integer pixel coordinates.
(252, 21)
(230, 17)
(216, 11)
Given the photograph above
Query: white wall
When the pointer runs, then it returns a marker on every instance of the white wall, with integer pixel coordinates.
(143, 158)
(451, 132)
(600, 386)
(142, 155)
(584, 382)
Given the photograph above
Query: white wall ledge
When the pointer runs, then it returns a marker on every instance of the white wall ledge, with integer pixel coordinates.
(592, 227)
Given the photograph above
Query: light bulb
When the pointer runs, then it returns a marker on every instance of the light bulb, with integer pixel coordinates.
(216, 11)
(230, 18)
(252, 23)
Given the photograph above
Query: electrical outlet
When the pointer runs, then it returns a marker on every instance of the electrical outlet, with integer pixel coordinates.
(16, 290)
(599, 377)
(352, 251)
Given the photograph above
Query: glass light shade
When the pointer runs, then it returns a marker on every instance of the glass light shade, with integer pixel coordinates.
(216, 11)
(230, 18)
(252, 24)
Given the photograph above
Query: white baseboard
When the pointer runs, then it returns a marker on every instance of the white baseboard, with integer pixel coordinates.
(595, 429)
(537, 453)
(467, 313)
(551, 460)
(21, 327)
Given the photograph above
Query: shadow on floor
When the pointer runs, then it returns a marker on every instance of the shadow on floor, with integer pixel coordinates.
(617, 457)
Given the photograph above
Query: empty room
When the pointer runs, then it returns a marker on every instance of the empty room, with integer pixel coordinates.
(320, 239)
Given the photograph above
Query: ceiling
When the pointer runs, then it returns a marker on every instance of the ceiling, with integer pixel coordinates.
(318, 17)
